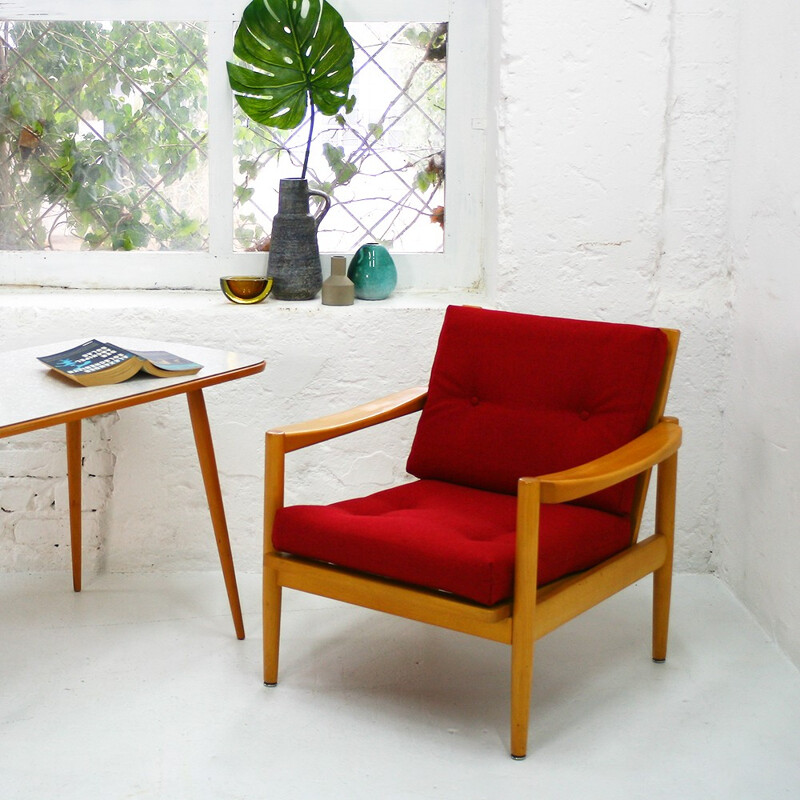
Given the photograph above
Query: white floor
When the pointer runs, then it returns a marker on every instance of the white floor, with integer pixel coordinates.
(137, 688)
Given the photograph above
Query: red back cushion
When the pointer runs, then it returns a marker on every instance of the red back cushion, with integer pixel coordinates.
(514, 395)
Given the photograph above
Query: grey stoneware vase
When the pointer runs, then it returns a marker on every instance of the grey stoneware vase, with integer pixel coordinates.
(294, 264)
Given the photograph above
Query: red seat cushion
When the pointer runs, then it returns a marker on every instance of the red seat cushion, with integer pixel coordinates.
(447, 537)
(514, 395)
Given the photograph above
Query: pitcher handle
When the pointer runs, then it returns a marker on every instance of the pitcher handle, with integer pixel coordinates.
(324, 208)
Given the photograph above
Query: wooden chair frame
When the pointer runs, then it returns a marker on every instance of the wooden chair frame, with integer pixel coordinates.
(530, 613)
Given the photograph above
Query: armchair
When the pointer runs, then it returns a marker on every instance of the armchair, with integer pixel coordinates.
(531, 462)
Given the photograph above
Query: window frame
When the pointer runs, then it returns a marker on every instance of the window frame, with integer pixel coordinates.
(458, 267)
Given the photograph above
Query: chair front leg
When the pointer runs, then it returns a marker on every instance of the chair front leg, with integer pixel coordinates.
(272, 624)
(274, 472)
(522, 648)
(662, 577)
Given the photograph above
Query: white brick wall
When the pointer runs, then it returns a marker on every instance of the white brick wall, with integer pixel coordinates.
(615, 138)
(34, 502)
(760, 486)
(611, 176)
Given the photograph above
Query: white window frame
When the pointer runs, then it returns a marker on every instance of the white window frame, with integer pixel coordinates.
(458, 267)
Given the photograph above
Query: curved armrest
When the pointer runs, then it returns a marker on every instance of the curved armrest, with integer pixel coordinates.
(303, 434)
(647, 450)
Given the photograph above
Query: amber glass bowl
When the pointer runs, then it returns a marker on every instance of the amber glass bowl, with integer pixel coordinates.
(245, 288)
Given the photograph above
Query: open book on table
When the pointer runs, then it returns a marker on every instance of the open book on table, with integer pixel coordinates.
(93, 363)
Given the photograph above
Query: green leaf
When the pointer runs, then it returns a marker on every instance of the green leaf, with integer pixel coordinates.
(423, 180)
(187, 226)
(243, 194)
(294, 51)
(249, 168)
(343, 169)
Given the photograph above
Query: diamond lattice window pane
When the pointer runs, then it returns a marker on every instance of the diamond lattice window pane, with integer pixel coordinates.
(103, 129)
(383, 163)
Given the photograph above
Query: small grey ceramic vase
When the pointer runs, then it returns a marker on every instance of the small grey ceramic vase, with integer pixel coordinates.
(338, 289)
(294, 264)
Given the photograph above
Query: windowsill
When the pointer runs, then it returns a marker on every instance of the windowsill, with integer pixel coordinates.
(176, 300)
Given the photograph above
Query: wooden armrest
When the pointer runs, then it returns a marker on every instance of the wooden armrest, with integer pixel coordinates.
(303, 434)
(647, 450)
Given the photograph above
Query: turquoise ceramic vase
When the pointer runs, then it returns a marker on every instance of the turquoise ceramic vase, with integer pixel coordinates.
(373, 272)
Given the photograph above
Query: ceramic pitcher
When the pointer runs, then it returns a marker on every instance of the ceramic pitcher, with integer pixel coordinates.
(294, 263)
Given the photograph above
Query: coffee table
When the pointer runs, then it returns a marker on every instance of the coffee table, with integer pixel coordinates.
(34, 396)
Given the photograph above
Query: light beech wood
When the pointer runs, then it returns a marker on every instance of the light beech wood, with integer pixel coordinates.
(74, 463)
(533, 612)
(271, 589)
(579, 593)
(36, 397)
(436, 608)
(665, 531)
(632, 459)
(208, 469)
(355, 419)
(656, 415)
(524, 611)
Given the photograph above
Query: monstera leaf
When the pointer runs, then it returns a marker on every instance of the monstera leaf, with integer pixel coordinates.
(298, 51)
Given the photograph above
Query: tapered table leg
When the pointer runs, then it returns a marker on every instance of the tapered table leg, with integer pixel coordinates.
(208, 467)
(74, 484)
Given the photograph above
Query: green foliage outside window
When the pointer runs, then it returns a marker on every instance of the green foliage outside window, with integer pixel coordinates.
(103, 129)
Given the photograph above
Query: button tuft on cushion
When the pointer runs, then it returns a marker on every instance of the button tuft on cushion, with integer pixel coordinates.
(474, 401)
(447, 537)
(610, 370)
(584, 415)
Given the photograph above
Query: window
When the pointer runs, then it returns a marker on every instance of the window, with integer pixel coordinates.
(152, 181)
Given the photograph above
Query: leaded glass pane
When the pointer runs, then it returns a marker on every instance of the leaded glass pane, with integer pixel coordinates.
(383, 164)
(103, 129)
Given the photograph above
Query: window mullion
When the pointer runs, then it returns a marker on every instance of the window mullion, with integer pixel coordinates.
(220, 140)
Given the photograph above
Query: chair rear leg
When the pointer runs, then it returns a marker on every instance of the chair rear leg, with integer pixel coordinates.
(523, 637)
(662, 577)
(662, 591)
(272, 625)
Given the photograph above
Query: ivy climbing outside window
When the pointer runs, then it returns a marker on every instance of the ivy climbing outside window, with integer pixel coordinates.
(103, 129)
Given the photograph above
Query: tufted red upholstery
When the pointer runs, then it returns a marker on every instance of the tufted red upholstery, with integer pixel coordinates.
(515, 395)
(510, 395)
(447, 537)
